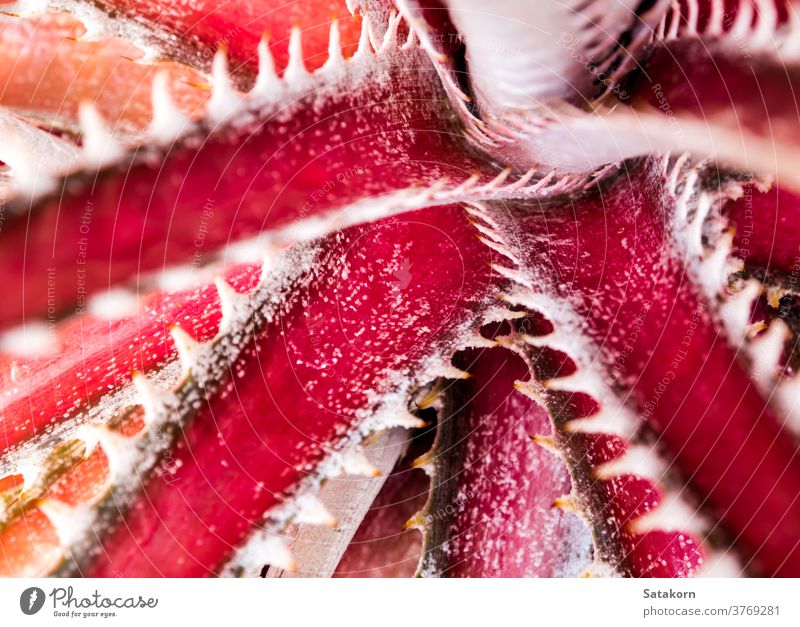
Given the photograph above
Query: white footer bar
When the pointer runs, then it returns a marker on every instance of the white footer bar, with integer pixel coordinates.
(401, 603)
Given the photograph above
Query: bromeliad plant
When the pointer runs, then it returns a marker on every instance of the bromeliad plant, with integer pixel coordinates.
(252, 251)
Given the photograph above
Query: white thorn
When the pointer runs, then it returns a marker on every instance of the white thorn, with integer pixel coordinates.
(390, 36)
(672, 180)
(99, 146)
(468, 183)
(766, 351)
(31, 181)
(557, 340)
(693, 12)
(609, 421)
(702, 209)
(582, 380)
(498, 180)
(766, 22)
(296, 72)
(525, 179)
(269, 260)
(153, 399)
(500, 248)
(224, 101)
(411, 40)
(517, 276)
(70, 522)
(448, 371)
(268, 85)
(168, 122)
(232, 303)
(532, 391)
(364, 49)
(189, 349)
(716, 18)
(534, 301)
(477, 210)
(672, 33)
(91, 436)
(787, 395)
(403, 419)
(312, 511)
(682, 202)
(737, 309)
(31, 152)
(718, 266)
(743, 22)
(355, 462)
(639, 460)
(790, 47)
(30, 472)
(118, 449)
(476, 340)
(335, 57)
(487, 231)
(672, 514)
(275, 551)
(501, 314)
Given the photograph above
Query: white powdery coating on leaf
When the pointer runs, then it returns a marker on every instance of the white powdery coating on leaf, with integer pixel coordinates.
(550, 530)
(168, 398)
(380, 413)
(32, 453)
(99, 148)
(675, 512)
